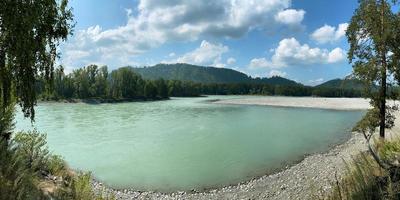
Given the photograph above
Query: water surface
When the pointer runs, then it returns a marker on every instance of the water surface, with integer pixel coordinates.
(185, 143)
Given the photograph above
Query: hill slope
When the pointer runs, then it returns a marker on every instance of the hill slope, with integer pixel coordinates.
(347, 83)
(200, 74)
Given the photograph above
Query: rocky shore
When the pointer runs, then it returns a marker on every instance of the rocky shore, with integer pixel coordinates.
(311, 178)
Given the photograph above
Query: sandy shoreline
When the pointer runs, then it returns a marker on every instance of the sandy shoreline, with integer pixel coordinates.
(311, 176)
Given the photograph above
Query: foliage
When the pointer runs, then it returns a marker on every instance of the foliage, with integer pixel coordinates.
(6, 119)
(56, 165)
(25, 162)
(366, 179)
(79, 188)
(206, 75)
(16, 180)
(372, 35)
(30, 31)
(192, 73)
(125, 83)
(31, 147)
(347, 83)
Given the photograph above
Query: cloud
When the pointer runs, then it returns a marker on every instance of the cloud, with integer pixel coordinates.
(172, 54)
(230, 61)
(259, 63)
(273, 73)
(290, 16)
(336, 55)
(316, 81)
(329, 34)
(291, 53)
(155, 22)
(207, 53)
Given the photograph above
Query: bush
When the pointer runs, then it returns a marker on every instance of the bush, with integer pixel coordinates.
(79, 188)
(17, 182)
(31, 147)
(26, 165)
(56, 166)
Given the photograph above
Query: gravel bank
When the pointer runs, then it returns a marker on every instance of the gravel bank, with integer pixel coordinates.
(305, 102)
(306, 180)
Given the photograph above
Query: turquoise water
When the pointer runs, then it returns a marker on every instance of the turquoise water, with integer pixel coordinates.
(185, 143)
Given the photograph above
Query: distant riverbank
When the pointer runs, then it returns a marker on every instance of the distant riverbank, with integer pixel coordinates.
(101, 100)
(303, 102)
(311, 176)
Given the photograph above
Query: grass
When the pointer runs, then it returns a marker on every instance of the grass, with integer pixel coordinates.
(28, 171)
(366, 180)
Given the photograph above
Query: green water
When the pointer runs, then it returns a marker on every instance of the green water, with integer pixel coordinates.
(185, 143)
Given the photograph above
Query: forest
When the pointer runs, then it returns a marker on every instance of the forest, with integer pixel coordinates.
(125, 84)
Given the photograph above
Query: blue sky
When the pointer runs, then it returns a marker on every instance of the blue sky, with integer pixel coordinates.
(301, 39)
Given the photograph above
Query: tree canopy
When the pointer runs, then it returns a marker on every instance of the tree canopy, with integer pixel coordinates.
(30, 31)
(373, 37)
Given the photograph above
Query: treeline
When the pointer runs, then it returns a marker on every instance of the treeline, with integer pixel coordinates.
(124, 83)
(278, 90)
(96, 82)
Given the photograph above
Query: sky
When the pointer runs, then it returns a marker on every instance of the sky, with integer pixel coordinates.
(303, 40)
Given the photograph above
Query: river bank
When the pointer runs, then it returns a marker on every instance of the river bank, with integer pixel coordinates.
(308, 179)
(303, 102)
(101, 100)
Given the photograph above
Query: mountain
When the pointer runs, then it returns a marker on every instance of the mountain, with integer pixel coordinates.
(200, 74)
(347, 83)
(277, 80)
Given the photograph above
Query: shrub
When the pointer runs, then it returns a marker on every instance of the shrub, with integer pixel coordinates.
(79, 188)
(57, 166)
(17, 182)
(31, 147)
(25, 165)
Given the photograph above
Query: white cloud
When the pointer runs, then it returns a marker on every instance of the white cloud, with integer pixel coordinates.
(291, 53)
(172, 54)
(230, 61)
(207, 53)
(336, 55)
(256, 63)
(158, 21)
(329, 34)
(316, 81)
(290, 16)
(273, 73)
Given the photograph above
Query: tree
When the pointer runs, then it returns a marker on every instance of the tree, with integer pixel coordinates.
(101, 82)
(162, 88)
(150, 91)
(30, 31)
(371, 34)
(59, 78)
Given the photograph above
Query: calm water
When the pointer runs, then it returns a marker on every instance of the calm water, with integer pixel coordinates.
(185, 143)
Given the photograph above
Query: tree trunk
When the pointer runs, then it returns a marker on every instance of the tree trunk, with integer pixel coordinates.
(3, 92)
(382, 92)
(382, 106)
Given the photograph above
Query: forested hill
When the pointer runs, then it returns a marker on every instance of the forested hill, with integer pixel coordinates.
(200, 74)
(347, 83)
(127, 84)
(348, 87)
